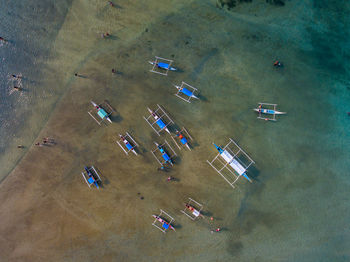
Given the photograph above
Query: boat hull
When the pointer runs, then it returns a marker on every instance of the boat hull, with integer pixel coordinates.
(160, 220)
(269, 111)
(163, 66)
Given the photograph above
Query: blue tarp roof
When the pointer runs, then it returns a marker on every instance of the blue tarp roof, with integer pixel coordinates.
(186, 92)
(163, 65)
(166, 157)
(160, 123)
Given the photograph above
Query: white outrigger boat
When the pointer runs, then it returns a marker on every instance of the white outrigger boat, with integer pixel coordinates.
(101, 112)
(192, 209)
(186, 92)
(158, 119)
(270, 109)
(164, 225)
(128, 146)
(232, 163)
(162, 63)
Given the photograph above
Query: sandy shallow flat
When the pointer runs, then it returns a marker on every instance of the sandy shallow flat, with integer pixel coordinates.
(48, 213)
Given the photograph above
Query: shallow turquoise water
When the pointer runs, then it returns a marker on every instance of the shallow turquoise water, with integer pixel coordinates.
(297, 208)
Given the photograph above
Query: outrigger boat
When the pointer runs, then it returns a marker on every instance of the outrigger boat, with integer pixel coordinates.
(186, 93)
(167, 159)
(268, 111)
(193, 209)
(232, 163)
(158, 119)
(91, 177)
(164, 225)
(128, 145)
(162, 63)
(101, 112)
(182, 138)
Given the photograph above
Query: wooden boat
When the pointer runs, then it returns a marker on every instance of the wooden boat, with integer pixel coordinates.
(166, 157)
(164, 223)
(186, 92)
(269, 111)
(162, 65)
(183, 139)
(127, 144)
(101, 112)
(159, 121)
(241, 170)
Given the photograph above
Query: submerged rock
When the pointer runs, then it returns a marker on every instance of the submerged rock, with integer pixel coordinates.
(276, 2)
(233, 3)
(230, 3)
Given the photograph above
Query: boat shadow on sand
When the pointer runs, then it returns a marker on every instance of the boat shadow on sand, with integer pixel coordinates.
(254, 173)
(115, 116)
(104, 181)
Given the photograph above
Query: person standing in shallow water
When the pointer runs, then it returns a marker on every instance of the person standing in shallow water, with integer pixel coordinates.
(105, 35)
(277, 64)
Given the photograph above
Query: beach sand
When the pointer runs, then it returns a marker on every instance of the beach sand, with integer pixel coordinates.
(47, 212)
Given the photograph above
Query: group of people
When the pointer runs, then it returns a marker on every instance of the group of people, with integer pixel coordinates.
(46, 141)
(17, 78)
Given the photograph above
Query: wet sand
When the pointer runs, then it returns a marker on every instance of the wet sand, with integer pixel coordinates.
(49, 213)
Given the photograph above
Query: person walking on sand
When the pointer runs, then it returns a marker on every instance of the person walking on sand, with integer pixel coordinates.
(104, 35)
(78, 75)
(47, 140)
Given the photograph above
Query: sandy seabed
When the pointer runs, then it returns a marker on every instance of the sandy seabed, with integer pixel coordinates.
(48, 213)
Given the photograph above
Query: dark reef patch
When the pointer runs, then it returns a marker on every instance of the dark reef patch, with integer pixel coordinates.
(229, 4)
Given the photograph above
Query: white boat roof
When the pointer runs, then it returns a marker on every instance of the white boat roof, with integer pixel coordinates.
(233, 162)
